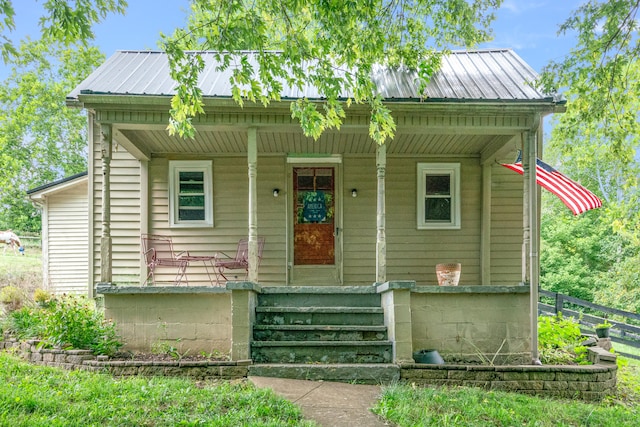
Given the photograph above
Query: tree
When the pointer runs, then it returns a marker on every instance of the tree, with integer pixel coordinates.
(331, 45)
(64, 21)
(596, 142)
(41, 140)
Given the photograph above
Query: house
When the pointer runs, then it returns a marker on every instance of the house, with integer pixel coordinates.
(344, 220)
(65, 228)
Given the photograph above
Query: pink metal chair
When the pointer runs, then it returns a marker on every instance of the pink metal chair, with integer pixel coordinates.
(158, 252)
(223, 262)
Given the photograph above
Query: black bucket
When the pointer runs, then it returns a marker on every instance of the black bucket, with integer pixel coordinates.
(431, 357)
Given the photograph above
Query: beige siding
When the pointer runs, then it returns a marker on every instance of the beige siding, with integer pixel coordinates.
(230, 206)
(67, 246)
(506, 226)
(125, 212)
(412, 254)
(359, 221)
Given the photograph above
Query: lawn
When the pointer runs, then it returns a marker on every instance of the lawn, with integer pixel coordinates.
(407, 405)
(24, 271)
(42, 396)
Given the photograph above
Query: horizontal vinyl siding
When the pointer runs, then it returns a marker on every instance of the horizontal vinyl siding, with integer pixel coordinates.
(506, 226)
(125, 213)
(359, 221)
(230, 215)
(412, 254)
(68, 241)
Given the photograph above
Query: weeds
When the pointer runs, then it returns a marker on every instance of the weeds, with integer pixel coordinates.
(74, 322)
(67, 322)
(560, 341)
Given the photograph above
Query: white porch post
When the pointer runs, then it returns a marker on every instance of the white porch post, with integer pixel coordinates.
(381, 239)
(252, 160)
(531, 231)
(106, 265)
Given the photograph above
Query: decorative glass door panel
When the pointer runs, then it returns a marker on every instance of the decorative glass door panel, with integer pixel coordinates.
(314, 215)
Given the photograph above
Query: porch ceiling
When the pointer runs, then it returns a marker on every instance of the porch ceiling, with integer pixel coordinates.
(158, 141)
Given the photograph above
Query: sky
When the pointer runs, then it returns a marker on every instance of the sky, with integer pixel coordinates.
(529, 27)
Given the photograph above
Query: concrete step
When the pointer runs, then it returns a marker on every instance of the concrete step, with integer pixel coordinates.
(321, 351)
(319, 332)
(378, 373)
(319, 296)
(319, 316)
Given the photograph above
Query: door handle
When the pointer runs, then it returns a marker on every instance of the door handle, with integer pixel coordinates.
(337, 232)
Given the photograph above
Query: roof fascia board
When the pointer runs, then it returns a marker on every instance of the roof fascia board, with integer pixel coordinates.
(37, 195)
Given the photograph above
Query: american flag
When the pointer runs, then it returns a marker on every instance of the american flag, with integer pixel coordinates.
(575, 196)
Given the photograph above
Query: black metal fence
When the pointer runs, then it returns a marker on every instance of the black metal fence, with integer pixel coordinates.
(625, 327)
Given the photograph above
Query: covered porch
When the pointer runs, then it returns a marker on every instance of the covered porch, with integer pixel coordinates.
(340, 212)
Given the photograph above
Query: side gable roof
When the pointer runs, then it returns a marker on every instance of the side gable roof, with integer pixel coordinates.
(477, 75)
(56, 186)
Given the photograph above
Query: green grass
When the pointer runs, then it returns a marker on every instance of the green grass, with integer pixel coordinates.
(42, 396)
(21, 271)
(406, 405)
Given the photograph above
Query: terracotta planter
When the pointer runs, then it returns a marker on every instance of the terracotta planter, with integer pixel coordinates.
(448, 274)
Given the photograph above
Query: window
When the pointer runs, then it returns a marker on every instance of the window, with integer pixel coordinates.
(438, 195)
(190, 195)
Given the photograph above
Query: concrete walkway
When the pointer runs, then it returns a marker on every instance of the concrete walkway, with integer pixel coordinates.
(330, 404)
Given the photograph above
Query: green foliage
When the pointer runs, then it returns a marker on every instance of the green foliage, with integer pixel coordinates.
(41, 140)
(42, 297)
(24, 323)
(595, 142)
(559, 341)
(63, 21)
(67, 321)
(601, 71)
(408, 405)
(74, 322)
(12, 297)
(329, 45)
(604, 324)
(576, 251)
(43, 396)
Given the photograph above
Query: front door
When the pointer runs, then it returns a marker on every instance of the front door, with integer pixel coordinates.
(315, 257)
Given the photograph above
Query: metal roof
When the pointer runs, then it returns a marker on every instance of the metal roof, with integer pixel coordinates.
(474, 75)
(51, 185)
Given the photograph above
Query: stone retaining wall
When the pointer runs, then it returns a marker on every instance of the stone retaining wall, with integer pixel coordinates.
(587, 382)
(84, 359)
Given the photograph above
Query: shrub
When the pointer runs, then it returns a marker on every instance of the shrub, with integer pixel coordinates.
(24, 323)
(559, 341)
(42, 297)
(12, 297)
(73, 322)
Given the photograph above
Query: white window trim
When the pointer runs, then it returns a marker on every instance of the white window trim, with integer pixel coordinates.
(453, 169)
(176, 166)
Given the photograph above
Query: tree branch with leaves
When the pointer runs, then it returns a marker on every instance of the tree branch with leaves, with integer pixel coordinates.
(330, 45)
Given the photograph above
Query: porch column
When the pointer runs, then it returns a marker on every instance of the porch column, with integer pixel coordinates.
(252, 159)
(381, 239)
(531, 231)
(485, 234)
(106, 145)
